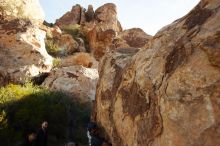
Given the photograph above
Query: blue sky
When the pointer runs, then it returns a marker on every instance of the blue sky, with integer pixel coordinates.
(150, 15)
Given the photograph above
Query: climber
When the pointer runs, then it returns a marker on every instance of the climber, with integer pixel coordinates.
(93, 135)
(42, 135)
(29, 138)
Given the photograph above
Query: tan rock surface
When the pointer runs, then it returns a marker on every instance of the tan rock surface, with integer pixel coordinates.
(28, 9)
(75, 16)
(102, 30)
(169, 93)
(67, 44)
(99, 27)
(75, 80)
(22, 47)
(131, 38)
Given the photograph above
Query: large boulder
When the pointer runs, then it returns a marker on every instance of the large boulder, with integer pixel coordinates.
(102, 30)
(168, 93)
(22, 47)
(78, 81)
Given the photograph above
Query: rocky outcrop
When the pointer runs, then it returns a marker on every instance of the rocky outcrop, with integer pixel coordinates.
(75, 16)
(78, 81)
(60, 43)
(167, 93)
(102, 30)
(22, 47)
(90, 13)
(99, 27)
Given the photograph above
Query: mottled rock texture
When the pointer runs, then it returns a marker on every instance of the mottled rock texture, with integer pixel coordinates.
(131, 38)
(100, 26)
(28, 9)
(78, 81)
(167, 94)
(101, 31)
(75, 16)
(22, 47)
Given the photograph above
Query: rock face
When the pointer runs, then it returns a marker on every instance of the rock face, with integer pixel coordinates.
(133, 38)
(68, 44)
(168, 93)
(28, 9)
(75, 16)
(102, 30)
(22, 47)
(99, 27)
(75, 80)
(60, 43)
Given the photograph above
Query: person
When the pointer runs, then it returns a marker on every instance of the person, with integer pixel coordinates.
(29, 138)
(42, 135)
(93, 135)
(71, 144)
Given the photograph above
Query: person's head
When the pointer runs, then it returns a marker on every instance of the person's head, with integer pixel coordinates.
(72, 144)
(44, 125)
(92, 128)
(31, 135)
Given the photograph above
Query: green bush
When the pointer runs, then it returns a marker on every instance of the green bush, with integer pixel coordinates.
(52, 48)
(49, 35)
(25, 107)
(56, 62)
(71, 29)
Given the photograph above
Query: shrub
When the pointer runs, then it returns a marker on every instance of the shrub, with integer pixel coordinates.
(49, 35)
(83, 59)
(52, 48)
(56, 62)
(25, 107)
(71, 29)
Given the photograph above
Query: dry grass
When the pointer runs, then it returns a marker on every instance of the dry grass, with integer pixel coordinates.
(83, 59)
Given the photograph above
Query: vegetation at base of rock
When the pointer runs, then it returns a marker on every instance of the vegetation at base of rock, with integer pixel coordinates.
(24, 107)
(52, 48)
(75, 32)
(49, 35)
(71, 29)
(56, 62)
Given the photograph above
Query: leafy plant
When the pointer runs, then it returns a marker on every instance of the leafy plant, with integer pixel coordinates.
(52, 48)
(56, 62)
(71, 29)
(25, 107)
